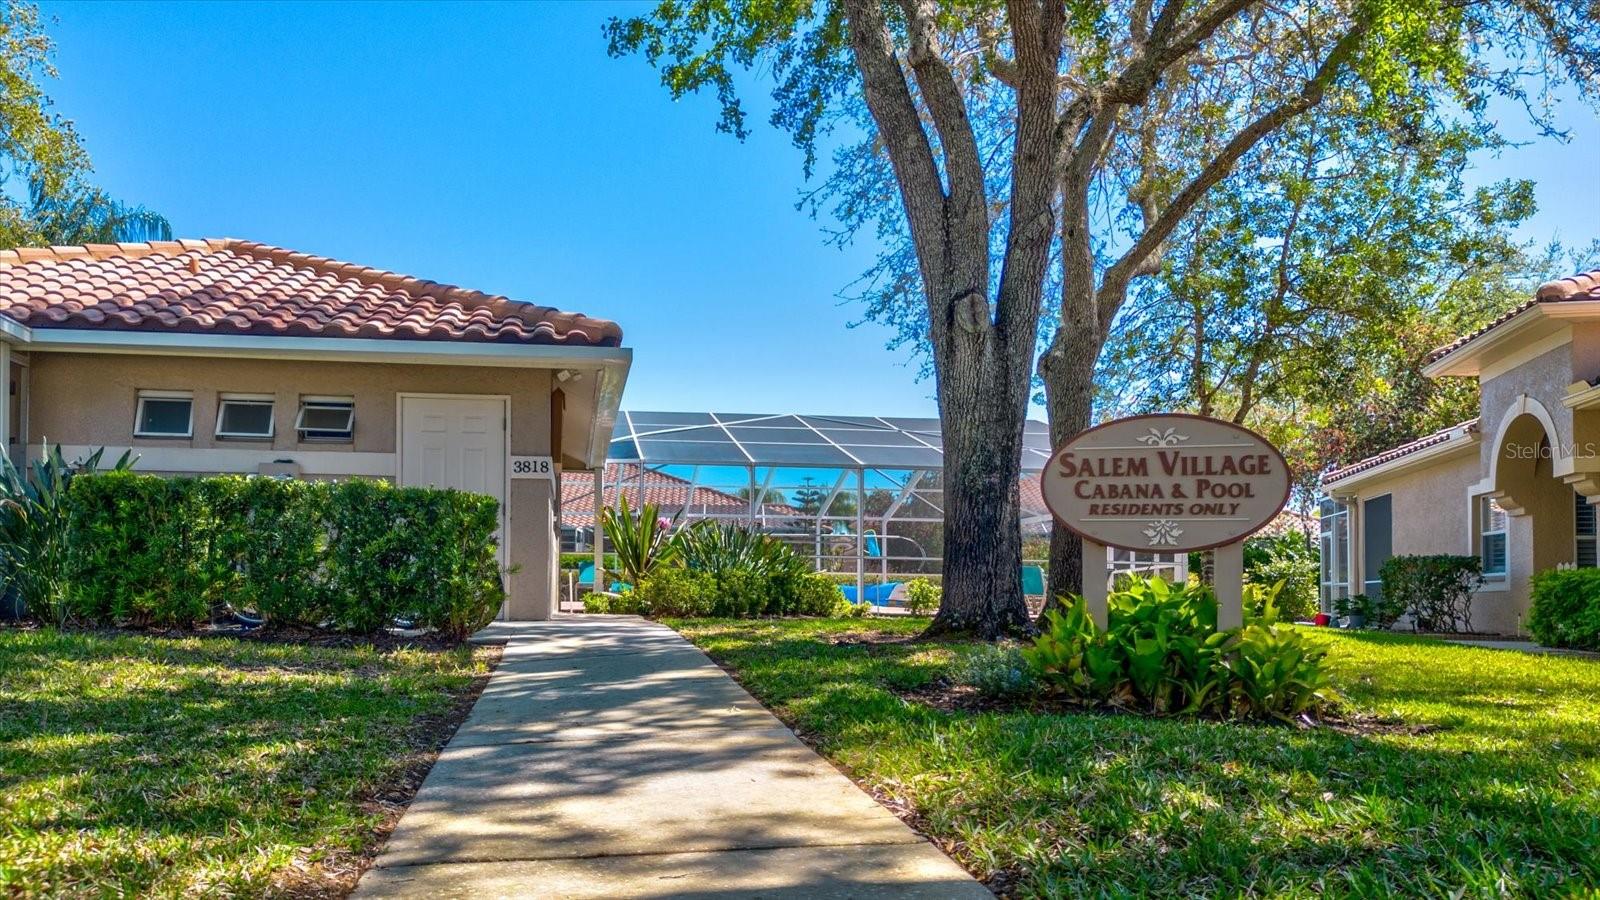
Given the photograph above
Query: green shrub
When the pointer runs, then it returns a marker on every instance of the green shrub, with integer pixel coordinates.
(272, 529)
(858, 610)
(1293, 564)
(671, 591)
(1566, 608)
(34, 529)
(596, 603)
(1375, 612)
(641, 540)
(356, 555)
(923, 596)
(1161, 654)
(1436, 590)
(998, 673)
(810, 594)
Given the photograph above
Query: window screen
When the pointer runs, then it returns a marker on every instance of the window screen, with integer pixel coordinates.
(1583, 520)
(1492, 537)
(164, 416)
(239, 417)
(1376, 542)
(326, 419)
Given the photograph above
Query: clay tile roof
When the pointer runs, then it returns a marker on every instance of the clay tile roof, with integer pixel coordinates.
(1371, 462)
(1582, 286)
(240, 287)
(668, 492)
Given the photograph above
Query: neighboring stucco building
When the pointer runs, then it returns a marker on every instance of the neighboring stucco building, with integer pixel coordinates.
(221, 356)
(1515, 486)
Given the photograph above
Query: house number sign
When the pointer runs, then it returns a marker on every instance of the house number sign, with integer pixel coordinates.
(1166, 483)
(532, 467)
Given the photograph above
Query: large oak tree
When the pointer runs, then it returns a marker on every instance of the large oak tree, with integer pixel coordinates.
(1038, 158)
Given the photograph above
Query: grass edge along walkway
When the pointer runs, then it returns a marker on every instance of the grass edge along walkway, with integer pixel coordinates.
(157, 766)
(1494, 789)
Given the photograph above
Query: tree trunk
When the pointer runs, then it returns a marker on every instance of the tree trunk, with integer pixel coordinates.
(1068, 370)
(982, 427)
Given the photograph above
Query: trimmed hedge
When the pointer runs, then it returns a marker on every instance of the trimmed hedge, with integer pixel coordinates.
(1436, 590)
(1566, 608)
(353, 556)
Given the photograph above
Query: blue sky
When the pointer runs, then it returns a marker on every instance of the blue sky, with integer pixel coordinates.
(498, 147)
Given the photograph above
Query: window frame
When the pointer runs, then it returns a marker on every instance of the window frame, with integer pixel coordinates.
(1333, 523)
(1484, 517)
(138, 415)
(267, 400)
(346, 435)
(1578, 537)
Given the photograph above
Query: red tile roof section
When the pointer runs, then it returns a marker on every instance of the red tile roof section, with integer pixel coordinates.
(1583, 286)
(244, 288)
(668, 492)
(1438, 437)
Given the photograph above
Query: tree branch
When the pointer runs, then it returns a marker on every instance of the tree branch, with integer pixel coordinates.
(888, 97)
(946, 106)
(1114, 286)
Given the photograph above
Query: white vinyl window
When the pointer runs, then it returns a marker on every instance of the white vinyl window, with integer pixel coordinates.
(1585, 533)
(1492, 537)
(326, 419)
(244, 416)
(164, 414)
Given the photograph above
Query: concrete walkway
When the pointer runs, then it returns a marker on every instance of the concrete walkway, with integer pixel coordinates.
(609, 758)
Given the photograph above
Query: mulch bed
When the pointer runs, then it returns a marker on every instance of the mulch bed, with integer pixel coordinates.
(946, 696)
(383, 642)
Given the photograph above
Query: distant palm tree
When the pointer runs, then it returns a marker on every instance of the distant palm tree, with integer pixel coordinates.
(80, 214)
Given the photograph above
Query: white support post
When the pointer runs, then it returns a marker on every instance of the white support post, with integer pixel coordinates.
(1229, 585)
(761, 493)
(5, 399)
(1094, 581)
(861, 538)
(694, 485)
(599, 532)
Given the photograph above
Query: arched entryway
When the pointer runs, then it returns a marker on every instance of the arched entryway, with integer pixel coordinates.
(1542, 507)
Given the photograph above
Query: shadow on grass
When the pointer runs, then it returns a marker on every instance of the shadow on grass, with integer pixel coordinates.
(1507, 799)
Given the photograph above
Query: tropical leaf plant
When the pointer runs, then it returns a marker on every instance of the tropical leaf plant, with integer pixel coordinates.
(640, 540)
(34, 528)
(1161, 653)
(724, 547)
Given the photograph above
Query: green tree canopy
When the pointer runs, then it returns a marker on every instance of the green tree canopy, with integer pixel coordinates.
(46, 196)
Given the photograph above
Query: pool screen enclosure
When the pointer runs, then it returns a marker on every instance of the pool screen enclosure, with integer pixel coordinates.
(862, 496)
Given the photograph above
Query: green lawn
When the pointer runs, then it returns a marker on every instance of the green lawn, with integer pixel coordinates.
(151, 766)
(1501, 797)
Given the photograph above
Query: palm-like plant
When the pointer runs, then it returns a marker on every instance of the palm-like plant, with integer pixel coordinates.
(33, 528)
(718, 547)
(640, 541)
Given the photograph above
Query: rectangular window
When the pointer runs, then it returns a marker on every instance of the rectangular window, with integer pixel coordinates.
(247, 416)
(1377, 521)
(164, 414)
(1334, 519)
(1492, 537)
(1583, 519)
(326, 419)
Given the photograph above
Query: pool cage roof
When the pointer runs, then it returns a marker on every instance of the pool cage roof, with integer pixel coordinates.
(792, 440)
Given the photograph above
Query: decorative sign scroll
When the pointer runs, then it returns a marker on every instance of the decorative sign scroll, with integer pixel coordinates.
(1166, 483)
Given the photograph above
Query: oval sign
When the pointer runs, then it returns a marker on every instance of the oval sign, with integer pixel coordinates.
(1166, 483)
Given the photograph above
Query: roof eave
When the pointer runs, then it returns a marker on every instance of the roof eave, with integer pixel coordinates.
(1450, 447)
(1532, 322)
(386, 350)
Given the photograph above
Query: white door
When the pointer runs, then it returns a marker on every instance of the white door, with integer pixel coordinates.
(456, 442)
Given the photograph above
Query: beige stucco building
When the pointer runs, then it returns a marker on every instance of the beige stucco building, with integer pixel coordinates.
(228, 356)
(1515, 486)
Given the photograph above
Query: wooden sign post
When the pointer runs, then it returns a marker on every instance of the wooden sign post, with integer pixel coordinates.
(1171, 483)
